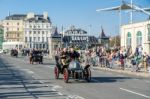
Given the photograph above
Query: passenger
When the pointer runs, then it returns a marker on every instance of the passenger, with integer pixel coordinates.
(87, 59)
(73, 54)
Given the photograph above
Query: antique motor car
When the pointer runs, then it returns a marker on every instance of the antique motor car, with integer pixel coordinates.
(36, 57)
(74, 71)
(14, 52)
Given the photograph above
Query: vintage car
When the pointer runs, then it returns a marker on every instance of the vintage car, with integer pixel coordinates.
(14, 52)
(74, 71)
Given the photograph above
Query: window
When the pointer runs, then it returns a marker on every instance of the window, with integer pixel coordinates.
(42, 39)
(40, 46)
(43, 46)
(7, 34)
(128, 39)
(17, 29)
(7, 29)
(34, 32)
(30, 45)
(26, 39)
(38, 26)
(139, 38)
(30, 39)
(34, 39)
(17, 23)
(42, 32)
(38, 32)
(47, 39)
(7, 23)
(34, 26)
(18, 35)
(38, 38)
(30, 32)
(30, 26)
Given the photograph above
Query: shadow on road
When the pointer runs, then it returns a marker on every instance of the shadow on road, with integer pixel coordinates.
(109, 79)
(16, 84)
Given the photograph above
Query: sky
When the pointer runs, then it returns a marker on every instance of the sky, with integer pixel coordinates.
(80, 13)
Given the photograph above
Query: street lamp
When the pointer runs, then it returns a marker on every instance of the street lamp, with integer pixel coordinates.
(148, 29)
(148, 26)
(88, 35)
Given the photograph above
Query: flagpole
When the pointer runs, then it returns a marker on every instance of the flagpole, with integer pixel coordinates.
(62, 35)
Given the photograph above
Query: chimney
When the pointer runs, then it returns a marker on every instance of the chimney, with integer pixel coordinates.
(45, 15)
(30, 15)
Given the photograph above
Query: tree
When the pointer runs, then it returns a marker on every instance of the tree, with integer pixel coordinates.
(114, 41)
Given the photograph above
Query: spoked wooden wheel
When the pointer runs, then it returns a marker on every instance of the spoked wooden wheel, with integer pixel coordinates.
(56, 72)
(66, 75)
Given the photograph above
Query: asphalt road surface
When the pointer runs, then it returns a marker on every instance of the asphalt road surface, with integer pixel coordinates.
(21, 80)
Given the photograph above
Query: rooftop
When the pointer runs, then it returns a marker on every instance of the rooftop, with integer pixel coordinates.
(24, 16)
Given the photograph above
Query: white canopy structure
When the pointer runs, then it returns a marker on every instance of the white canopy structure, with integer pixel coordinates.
(126, 6)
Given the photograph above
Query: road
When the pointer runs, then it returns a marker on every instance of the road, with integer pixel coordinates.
(21, 80)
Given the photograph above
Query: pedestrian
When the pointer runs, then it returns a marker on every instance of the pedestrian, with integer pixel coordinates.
(133, 62)
(145, 61)
(122, 61)
(137, 60)
(148, 63)
(87, 59)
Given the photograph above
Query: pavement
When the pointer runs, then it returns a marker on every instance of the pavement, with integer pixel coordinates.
(126, 71)
(21, 80)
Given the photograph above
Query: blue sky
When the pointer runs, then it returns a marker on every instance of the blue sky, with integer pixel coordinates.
(80, 13)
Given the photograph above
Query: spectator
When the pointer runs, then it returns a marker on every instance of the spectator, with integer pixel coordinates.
(145, 60)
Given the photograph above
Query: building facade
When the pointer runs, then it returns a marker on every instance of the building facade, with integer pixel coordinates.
(13, 32)
(37, 31)
(79, 38)
(136, 35)
(1, 36)
(75, 37)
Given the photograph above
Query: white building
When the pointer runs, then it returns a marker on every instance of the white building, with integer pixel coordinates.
(136, 34)
(77, 37)
(37, 30)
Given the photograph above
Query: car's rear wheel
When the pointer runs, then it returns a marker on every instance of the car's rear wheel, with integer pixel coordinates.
(56, 72)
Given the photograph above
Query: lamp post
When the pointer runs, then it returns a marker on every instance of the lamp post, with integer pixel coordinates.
(148, 29)
(88, 35)
(62, 35)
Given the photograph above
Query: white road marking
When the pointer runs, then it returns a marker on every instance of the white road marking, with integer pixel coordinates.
(120, 75)
(50, 67)
(74, 97)
(135, 93)
(41, 82)
(57, 86)
(59, 93)
(28, 71)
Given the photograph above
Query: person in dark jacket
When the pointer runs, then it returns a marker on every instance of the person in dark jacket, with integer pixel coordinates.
(73, 54)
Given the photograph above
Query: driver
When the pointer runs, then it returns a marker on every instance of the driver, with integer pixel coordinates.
(64, 58)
